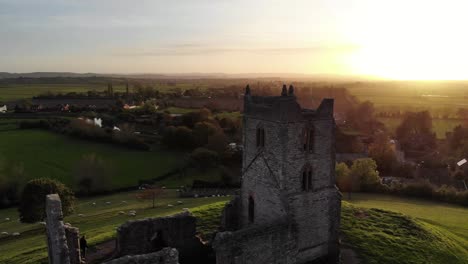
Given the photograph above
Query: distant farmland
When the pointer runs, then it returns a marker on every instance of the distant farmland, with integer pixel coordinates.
(440, 126)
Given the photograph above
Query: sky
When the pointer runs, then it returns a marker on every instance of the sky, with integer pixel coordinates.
(398, 39)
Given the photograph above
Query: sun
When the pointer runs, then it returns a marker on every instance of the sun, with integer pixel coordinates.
(417, 42)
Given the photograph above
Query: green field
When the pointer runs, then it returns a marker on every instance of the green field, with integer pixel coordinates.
(22, 91)
(439, 126)
(401, 230)
(100, 221)
(46, 154)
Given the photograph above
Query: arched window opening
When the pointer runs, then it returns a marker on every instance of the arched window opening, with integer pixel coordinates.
(308, 139)
(251, 209)
(260, 137)
(306, 179)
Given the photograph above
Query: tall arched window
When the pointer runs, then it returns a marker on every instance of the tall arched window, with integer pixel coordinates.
(251, 209)
(307, 179)
(308, 139)
(260, 137)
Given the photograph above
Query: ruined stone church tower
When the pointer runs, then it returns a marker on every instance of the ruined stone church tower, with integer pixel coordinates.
(288, 209)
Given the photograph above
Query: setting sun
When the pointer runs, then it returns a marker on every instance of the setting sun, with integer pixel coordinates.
(417, 40)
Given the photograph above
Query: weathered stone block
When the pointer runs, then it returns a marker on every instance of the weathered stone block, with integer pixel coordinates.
(165, 256)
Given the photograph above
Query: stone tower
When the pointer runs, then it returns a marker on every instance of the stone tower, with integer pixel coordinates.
(288, 173)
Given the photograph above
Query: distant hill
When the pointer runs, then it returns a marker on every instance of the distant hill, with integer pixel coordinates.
(321, 77)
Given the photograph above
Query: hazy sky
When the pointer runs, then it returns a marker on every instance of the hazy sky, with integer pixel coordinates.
(403, 39)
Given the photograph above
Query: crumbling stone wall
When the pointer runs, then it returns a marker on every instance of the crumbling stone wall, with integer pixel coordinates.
(62, 240)
(273, 244)
(73, 243)
(230, 220)
(165, 256)
(152, 234)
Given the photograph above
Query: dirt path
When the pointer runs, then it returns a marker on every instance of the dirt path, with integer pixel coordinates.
(100, 252)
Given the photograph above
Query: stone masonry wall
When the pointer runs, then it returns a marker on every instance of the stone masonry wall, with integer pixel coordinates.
(164, 256)
(230, 216)
(73, 243)
(273, 244)
(56, 237)
(152, 234)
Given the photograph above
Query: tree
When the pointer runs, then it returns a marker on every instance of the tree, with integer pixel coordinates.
(382, 152)
(151, 193)
(364, 172)
(343, 178)
(202, 131)
(415, 132)
(204, 158)
(11, 180)
(178, 137)
(32, 202)
(92, 174)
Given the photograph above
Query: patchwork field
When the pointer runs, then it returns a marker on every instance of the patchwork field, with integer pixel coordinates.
(439, 126)
(46, 154)
(22, 91)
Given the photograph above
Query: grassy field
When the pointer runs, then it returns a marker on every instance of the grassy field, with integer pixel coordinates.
(46, 154)
(179, 110)
(384, 237)
(453, 218)
(415, 231)
(22, 91)
(439, 126)
(401, 230)
(100, 221)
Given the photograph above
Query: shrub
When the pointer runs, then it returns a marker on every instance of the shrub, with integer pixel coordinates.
(32, 202)
(421, 189)
(92, 175)
(204, 158)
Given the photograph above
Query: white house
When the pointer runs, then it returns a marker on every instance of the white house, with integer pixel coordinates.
(98, 122)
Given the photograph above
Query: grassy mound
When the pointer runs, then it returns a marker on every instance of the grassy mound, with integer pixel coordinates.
(387, 237)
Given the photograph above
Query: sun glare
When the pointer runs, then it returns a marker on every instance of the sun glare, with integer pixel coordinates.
(420, 42)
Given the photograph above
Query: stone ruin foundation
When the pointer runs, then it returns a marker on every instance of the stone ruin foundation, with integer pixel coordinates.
(153, 234)
(165, 256)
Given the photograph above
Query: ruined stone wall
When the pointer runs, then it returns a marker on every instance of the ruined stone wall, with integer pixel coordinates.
(230, 220)
(274, 244)
(164, 256)
(73, 243)
(146, 235)
(56, 237)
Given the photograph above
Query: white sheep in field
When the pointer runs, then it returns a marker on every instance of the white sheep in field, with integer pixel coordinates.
(15, 234)
(179, 202)
(81, 215)
(4, 233)
(169, 205)
(7, 219)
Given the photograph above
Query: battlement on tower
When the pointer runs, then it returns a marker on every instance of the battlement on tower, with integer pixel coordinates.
(283, 108)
